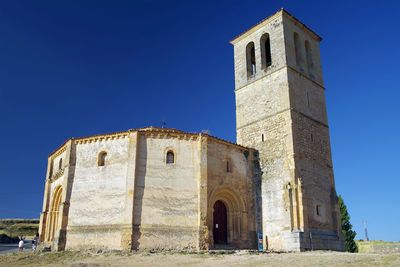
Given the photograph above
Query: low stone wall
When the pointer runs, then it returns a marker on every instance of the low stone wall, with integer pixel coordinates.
(378, 247)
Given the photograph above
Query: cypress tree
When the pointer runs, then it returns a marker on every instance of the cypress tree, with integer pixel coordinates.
(348, 234)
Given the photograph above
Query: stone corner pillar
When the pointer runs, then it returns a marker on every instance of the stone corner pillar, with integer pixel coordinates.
(203, 238)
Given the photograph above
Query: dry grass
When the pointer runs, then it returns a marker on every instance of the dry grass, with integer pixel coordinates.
(239, 258)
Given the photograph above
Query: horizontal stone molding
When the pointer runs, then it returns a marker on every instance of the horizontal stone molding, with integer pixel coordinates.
(278, 70)
(260, 78)
(310, 118)
(164, 229)
(101, 138)
(153, 132)
(98, 228)
(264, 118)
(281, 112)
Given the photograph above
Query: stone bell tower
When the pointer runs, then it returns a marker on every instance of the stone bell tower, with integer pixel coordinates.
(281, 112)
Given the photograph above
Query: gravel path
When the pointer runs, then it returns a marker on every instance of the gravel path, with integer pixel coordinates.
(11, 248)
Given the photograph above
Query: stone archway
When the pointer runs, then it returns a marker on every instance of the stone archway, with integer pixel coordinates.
(236, 217)
(52, 219)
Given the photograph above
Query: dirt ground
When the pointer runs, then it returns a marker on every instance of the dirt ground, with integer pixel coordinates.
(217, 258)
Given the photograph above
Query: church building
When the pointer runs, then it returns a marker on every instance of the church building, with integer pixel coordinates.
(164, 188)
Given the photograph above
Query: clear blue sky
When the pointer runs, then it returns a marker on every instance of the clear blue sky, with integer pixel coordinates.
(77, 68)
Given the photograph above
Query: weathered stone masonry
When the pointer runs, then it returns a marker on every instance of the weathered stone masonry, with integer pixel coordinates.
(281, 112)
(165, 188)
(138, 200)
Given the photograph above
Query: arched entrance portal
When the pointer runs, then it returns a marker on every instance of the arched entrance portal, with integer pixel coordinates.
(220, 223)
(227, 209)
(52, 219)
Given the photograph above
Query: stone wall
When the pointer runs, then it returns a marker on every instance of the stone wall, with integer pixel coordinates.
(166, 195)
(311, 142)
(264, 122)
(139, 200)
(272, 26)
(378, 247)
(98, 213)
(290, 26)
(232, 185)
(281, 112)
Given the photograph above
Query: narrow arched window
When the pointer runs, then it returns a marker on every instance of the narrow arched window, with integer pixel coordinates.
(310, 63)
(297, 48)
(52, 167)
(170, 157)
(60, 164)
(265, 45)
(228, 166)
(318, 210)
(250, 59)
(102, 158)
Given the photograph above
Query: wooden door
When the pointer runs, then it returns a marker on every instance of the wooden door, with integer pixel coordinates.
(220, 223)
